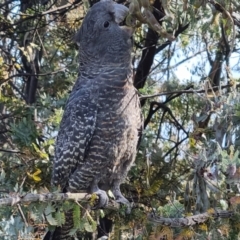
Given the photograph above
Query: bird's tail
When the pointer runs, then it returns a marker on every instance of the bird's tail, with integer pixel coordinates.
(104, 227)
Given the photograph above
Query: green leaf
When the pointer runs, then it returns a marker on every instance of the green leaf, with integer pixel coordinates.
(49, 209)
(102, 214)
(60, 218)
(73, 231)
(51, 220)
(76, 216)
(89, 227)
(2, 175)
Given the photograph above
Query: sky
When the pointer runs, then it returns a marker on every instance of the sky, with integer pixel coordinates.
(184, 69)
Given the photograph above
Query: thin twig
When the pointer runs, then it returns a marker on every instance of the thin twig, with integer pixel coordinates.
(174, 147)
(185, 91)
(29, 74)
(22, 215)
(221, 9)
(10, 151)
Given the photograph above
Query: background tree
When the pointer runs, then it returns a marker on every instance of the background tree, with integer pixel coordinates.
(185, 183)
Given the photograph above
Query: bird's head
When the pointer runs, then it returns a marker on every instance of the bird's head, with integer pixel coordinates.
(101, 35)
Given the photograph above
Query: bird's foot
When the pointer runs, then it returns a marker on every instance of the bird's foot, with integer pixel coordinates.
(119, 198)
(103, 199)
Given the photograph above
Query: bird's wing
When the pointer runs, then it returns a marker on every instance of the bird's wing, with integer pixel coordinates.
(75, 133)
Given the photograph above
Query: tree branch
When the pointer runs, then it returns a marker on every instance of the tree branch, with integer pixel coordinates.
(178, 31)
(16, 198)
(149, 51)
(189, 221)
(221, 9)
(215, 88)
(166, 109)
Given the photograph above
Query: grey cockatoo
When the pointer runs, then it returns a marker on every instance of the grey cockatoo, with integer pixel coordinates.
(99, 131)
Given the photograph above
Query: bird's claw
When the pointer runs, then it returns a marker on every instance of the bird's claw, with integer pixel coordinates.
(119, 198)
(103, 199)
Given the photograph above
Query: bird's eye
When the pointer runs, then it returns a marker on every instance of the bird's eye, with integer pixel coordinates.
(106, 24)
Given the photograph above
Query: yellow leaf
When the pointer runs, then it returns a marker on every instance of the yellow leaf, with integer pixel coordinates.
(29, 174)
(224, 230)
(17, 66)
(192, 142)
(187, 233)
(40, 153)
(36, 178)
(38, 171)
(93, 199)
(43, 155)
(162, 233)
(153, 189)
(203, 227)
(211, 211)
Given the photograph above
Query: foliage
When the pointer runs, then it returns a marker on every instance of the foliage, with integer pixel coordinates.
(187, 75)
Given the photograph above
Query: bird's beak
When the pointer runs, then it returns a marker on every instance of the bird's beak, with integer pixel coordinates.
(128, 30)
(120, 13)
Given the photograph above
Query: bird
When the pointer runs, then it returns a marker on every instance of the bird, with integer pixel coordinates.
(101, 124)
